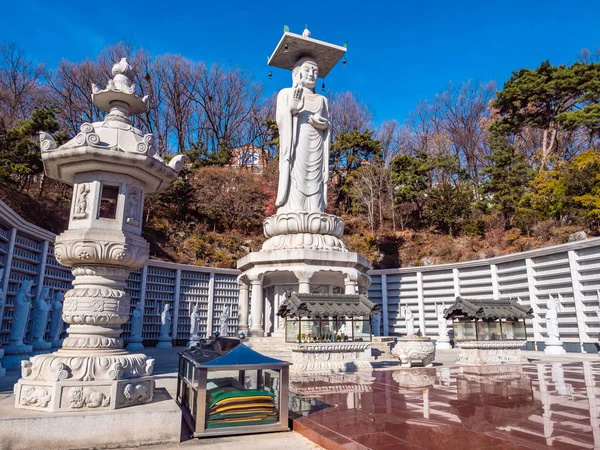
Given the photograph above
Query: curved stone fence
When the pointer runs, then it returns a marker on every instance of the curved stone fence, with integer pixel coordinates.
(27, 253)
(569, 273)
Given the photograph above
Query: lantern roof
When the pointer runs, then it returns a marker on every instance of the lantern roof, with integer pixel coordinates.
(114, 144)
(488, 309)
(324, 306)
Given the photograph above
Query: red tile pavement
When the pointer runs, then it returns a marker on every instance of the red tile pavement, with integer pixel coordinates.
(501, 407)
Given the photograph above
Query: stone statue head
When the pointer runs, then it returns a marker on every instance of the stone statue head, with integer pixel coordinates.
(305, 73)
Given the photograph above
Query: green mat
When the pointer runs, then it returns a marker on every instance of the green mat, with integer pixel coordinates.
(266, 421)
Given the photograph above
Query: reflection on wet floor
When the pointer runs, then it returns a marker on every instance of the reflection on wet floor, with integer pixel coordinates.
(530, 406)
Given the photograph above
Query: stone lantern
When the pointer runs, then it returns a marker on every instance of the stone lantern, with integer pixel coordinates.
(111, 165)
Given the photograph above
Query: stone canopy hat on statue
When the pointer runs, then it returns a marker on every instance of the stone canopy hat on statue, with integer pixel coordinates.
(293, 47)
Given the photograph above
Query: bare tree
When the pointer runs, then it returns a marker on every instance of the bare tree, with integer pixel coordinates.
(347, 113)
(20, 87)
(228, 102)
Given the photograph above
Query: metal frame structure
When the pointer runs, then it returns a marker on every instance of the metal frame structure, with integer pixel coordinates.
(191, 392)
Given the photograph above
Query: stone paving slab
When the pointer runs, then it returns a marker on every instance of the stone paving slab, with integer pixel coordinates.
(268, 441)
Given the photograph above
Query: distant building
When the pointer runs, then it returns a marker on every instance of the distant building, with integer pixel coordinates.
(248, 157)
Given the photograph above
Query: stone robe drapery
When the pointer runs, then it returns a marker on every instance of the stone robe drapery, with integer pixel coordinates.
(303, 154)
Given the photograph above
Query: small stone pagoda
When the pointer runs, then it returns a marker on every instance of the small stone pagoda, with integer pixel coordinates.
(304, 251)
(489, 331)
(111, 165)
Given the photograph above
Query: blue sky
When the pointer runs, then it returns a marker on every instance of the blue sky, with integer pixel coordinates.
(399, 52)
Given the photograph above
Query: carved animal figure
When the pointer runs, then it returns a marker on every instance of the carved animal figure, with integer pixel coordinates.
(133, 393)
(32, 396)
(80, 397)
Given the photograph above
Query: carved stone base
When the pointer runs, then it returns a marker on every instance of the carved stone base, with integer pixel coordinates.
(491, 352)
(164, 342)
(417, 350)
(64, 365)
(326, 358)
(302, 230)
(70, 395)
(54, 382)
(554, 348)
(303, 222)
(418, 377)
(135, 344)
(14, 354)
(305, 241)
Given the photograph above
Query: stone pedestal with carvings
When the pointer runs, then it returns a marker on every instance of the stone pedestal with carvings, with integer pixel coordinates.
(324, 358)
(414, 350)
(554, 347)
(491, 352)
(110, 164)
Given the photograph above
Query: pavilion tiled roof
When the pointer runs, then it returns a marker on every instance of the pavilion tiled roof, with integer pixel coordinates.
(322, 306)
(488, 309)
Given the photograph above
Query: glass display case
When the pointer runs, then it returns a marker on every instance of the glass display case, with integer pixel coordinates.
(238, 392)
(346, 329)
(315, 318)
(487, 330)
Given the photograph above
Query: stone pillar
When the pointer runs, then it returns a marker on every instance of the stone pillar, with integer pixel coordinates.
(533, 302)
(578, 297)
(102, 244)
(304, 286)
(176, 296)
(456, 282)
(211, 305)
(243, 308)
(257, 308)
(7, 268)
(384, 305)
(350, 286)
(279, 323)
(495, 281)
(421, 304)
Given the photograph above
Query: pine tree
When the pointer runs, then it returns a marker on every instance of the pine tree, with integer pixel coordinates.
(506, 177)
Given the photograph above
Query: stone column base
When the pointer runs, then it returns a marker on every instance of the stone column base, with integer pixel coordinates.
(135, 344)
(164, 342)
(64, 382)
(443, 345)
(14, 354)
(554, 348)
(65, 395)
(491, 352)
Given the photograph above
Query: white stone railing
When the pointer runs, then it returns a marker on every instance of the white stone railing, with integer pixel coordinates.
(570, 272)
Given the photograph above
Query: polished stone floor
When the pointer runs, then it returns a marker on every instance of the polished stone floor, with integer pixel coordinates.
(550, 403)
(544, 405)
